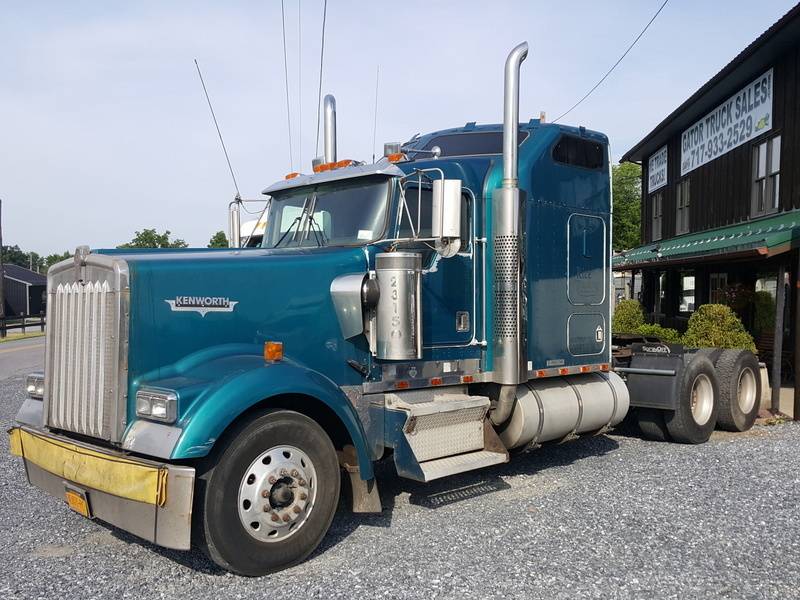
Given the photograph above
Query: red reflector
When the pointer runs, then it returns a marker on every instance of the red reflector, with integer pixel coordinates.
(563, 371)
(541, 373)
(604, 367)
(585, 369)
(467, 379)
(436, 381)
(402, 385)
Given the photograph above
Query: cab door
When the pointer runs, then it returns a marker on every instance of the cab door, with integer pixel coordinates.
(448, 284)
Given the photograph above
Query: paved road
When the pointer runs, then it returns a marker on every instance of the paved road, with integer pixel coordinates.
(21, 356)
(605, 517)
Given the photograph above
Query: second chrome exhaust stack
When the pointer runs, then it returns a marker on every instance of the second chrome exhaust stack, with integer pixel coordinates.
(330, 128)
(510, 354)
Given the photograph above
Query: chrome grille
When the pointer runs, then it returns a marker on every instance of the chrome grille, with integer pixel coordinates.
(85, 375)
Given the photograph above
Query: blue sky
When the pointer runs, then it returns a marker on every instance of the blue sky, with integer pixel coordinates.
(105, 130)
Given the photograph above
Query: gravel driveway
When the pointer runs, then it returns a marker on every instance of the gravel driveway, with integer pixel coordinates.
(611, 516)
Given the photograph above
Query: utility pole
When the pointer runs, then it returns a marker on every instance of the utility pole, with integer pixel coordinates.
(2, 278)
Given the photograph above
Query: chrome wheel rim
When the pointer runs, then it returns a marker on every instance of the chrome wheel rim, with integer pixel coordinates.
(276, 494)
(746, 390)
(702, 400)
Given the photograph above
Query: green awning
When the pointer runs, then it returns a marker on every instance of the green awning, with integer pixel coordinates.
(762, 237)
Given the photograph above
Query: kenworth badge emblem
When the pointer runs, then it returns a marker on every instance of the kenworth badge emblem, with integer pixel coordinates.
(202, 304)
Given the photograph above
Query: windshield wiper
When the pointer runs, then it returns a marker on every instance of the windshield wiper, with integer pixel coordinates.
(313, 222)
(295, 222)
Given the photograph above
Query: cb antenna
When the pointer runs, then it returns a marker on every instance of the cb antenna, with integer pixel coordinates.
(219, 133)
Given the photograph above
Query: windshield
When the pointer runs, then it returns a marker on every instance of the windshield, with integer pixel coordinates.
(342, 213)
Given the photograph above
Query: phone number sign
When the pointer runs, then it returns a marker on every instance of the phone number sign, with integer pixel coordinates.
(744, 115)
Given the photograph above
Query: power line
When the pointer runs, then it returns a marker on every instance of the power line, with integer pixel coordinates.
(299, 85)
(286, 75)
(219, 133)
(646, 27)
(321, 58)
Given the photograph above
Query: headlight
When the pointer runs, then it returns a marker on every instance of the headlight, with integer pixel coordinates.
(157, 404)
(34, 385)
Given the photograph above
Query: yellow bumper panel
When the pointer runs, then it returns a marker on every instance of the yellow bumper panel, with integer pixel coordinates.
(114, 475)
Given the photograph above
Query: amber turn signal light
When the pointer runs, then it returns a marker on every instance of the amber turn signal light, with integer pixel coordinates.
(273, 351)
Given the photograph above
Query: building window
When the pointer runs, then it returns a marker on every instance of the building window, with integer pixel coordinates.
(657, 200)
(766, 176)
(717, 286)
(687, 292)
(682, 203)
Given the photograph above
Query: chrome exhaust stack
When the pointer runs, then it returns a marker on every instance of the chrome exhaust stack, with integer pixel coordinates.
(330, 128)
(510, 356)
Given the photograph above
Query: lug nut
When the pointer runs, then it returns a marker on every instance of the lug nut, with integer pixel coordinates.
(296, 510)
(284, 472)
(285, 518)
(302, 482)
(295, 473)
(272, 479)
(265, 494)
(303, 496)
(266, 508)
(275, 517)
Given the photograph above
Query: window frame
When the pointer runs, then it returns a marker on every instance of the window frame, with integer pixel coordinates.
(765, 189)
(656, 202)
(683, 202)
(564, 136)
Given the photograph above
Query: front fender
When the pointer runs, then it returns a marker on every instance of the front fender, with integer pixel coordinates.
(241, 382)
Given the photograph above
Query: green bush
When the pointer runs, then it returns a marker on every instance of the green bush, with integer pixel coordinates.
(764, 305)
(628, 317)
(665, 334)
(716, 325)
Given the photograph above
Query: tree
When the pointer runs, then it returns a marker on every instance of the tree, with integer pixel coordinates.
(148, 238)
(52, 259)
(627, 185)
(218, 240)
(12, 255)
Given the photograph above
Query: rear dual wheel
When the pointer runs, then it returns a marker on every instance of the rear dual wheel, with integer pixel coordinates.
(268, 497)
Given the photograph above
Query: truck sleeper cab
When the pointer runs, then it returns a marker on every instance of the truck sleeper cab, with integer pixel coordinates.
(438, 308)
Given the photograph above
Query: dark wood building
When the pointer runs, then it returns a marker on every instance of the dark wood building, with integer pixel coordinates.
(25, 291)
(721, 196)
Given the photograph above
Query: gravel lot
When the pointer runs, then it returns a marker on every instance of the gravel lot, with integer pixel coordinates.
(611, 516)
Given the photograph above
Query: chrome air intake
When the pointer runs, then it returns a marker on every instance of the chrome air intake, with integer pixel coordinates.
(87, 346)
(509, 363)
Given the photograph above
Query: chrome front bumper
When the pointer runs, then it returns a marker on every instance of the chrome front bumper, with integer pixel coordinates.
(150, 499)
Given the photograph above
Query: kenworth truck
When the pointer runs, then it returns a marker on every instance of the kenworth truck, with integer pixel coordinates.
(438, 309)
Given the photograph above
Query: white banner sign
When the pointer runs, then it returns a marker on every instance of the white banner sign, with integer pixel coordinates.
(744, 115)
(657, 170)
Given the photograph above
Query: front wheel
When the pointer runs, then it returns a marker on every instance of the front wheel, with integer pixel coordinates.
(269, 497)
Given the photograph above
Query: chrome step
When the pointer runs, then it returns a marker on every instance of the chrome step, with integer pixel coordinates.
(440, 431)
(450, 465)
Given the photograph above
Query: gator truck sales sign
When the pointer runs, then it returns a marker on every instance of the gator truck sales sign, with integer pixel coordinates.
(743, 116)
(657, 170)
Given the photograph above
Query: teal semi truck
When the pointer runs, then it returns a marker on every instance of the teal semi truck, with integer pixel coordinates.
(438, 308)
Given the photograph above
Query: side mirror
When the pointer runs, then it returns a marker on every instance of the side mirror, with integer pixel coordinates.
(446, 216)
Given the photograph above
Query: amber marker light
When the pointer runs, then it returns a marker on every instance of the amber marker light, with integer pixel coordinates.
(467, 379)
(343, 163)
(604, 367)
(292, 175)
(563, 371)
(273, 351)
(436, 381)
(402, 385)
(396, 157)
(585, 369)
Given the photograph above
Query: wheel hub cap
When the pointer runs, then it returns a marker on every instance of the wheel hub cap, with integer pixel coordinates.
(276, 494)
(746, 392)
(702, 403)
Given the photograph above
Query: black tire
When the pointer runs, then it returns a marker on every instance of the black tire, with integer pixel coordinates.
(688, 426)
(739, 390)
(221, 532)
(651, 423)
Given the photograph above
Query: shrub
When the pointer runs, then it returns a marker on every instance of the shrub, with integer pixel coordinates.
(716, 325)
(628, 317)
(665, 334)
